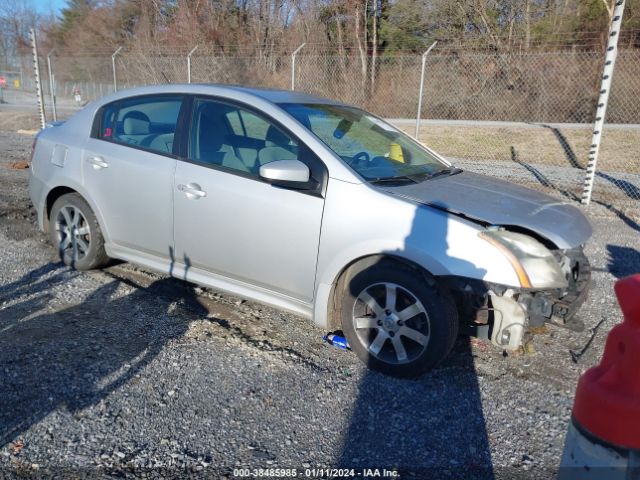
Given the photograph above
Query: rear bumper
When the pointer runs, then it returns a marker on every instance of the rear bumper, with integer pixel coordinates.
(37, 189)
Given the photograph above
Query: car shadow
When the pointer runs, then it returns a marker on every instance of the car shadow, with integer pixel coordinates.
(57, 357)
(429, 427)
(622, 261)
(432, 426)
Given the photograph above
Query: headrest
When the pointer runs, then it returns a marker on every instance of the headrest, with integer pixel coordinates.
(276, 138)
(272, 154)
(135, 123)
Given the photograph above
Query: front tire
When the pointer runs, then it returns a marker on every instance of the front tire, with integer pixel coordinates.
(74, 231)
(395, 321)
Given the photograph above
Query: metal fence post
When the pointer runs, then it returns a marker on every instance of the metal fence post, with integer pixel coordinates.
(293, 66)
(189, 63)
(36, 69)
(113, 65)
(603, 100)
(51, 87)
(424, 64)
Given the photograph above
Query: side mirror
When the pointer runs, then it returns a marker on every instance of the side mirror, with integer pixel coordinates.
(286, 173)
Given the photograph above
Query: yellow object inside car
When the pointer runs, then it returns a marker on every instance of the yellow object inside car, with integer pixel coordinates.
(395, 152)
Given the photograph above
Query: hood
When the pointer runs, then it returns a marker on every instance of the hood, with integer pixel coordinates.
(496, 202)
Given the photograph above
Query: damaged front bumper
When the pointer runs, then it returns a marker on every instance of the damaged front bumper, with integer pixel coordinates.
(504, 314)
(560, 307)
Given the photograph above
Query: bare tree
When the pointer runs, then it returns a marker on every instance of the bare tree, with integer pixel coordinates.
(16, 18)
(609, 6)
(374, 44)
(361, 50)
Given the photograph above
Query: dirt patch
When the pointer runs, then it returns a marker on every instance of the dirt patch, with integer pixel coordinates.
(17, 215)
(19, 165)
(13, 121)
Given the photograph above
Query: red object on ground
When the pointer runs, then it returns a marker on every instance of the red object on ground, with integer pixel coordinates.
(607, 402)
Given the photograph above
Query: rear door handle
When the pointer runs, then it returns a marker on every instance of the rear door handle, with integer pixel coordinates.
(97, 162)
(193, 191)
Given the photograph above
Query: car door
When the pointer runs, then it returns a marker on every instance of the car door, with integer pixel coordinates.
(128, 168)
(230, 222)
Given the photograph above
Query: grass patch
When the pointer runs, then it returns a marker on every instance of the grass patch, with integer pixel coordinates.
(619, 150)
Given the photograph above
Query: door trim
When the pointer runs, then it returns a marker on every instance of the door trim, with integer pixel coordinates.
(211, 280)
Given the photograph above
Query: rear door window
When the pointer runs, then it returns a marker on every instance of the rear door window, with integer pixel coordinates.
(106, 122)
(142, 122)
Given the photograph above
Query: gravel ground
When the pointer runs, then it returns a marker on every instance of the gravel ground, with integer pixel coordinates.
(122, 372)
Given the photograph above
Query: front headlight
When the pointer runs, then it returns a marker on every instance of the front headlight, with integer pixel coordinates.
(534, 264)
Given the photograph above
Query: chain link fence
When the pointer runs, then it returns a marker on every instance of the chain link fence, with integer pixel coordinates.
(526, 117)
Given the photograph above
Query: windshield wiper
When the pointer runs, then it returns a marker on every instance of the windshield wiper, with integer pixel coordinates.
(446, 171)
(400, 179)
(415, 178)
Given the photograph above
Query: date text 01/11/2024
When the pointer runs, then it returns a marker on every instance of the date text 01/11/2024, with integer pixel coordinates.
(315, 473)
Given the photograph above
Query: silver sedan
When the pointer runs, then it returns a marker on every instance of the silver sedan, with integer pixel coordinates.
(311, 206)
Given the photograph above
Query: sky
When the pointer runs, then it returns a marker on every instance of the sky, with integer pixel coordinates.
(47, 6)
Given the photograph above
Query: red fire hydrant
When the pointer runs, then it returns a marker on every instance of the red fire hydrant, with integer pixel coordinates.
(603, 440)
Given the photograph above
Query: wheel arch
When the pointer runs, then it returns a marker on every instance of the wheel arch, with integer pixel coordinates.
(53, 195)
(358, 265)
(59, 190)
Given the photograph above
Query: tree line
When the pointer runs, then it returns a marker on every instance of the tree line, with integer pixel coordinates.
(365, 28)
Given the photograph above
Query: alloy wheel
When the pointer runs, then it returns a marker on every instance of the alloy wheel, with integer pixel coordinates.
(74, 234)
(391, 323)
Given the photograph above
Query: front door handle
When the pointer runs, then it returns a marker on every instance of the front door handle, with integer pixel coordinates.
(193, 191)
(97, 162)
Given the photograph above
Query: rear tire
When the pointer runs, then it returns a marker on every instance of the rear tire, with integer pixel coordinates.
(74, 231)
(395, 321)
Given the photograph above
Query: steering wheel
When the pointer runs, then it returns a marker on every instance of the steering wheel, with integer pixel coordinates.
(360, 157)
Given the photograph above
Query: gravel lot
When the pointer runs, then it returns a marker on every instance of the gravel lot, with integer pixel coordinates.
(122, 372)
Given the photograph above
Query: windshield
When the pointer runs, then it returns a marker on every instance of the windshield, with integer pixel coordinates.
(372, 147)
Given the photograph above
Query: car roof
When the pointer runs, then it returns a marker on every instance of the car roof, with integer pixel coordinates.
(280, 96)
(270, 95)
(268, 100)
